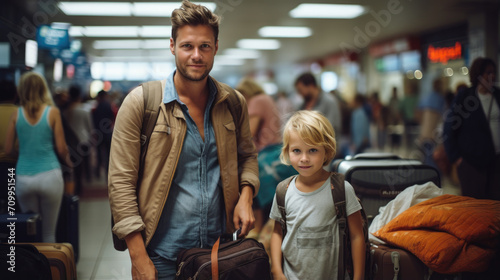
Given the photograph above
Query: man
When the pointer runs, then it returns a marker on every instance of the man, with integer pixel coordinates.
(200, 172)
(316, 99)
(80, 123)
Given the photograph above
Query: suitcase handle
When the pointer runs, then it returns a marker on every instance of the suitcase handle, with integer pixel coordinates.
(375, 156)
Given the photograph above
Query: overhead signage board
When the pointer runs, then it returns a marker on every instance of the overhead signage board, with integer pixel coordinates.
(52, 38)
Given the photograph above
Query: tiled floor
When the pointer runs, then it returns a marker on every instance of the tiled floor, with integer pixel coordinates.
(98, 259)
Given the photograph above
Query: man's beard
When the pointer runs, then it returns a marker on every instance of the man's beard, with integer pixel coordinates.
(184, 73)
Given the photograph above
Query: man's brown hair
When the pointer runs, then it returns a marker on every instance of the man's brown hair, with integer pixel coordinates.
(192, 14)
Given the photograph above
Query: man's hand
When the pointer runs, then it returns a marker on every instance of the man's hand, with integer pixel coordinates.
(143, 269)
(142, 266)
(243, 213)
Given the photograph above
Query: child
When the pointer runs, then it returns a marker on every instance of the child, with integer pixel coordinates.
(310, 248)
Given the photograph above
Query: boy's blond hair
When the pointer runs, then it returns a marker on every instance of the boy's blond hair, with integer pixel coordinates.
(192, 14)
(314, 129)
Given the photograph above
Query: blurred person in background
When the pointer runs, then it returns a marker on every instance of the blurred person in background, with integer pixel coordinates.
(7, 108)
(79, 121)
(431, 109)
(284, 105)
(37, 125)
(317, 100)
(103, 118)
(360, 126)
(407, 108)
(265, 123)
(265, 126)
(472, 133)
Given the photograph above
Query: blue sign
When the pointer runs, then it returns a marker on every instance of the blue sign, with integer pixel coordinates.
(52, 38)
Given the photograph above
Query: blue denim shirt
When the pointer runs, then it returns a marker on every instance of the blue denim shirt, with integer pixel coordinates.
(193, 215)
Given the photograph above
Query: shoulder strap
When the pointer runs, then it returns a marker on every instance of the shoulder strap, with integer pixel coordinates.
(233, 104)
(152, 93)
(280, 200)
(339, 200)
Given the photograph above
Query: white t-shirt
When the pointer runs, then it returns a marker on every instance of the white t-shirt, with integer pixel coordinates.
(311, 245)
(491, 110)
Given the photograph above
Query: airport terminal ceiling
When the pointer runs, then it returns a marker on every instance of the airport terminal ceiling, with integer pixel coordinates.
(242, 19)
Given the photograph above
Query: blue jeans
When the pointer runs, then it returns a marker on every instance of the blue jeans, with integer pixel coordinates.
(166, 269)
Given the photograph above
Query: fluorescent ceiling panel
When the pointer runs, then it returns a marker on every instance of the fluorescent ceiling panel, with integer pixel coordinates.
(147, 31)
(158, 31)
(327, 11)
(242, 53)
(139, 9)
(155, 9)
(223, 60)
(285, 31)
(259, 44)
(156, 44)
(111, 31)
(96, 8)
(117, 44)
(131, 44)
(76, 31)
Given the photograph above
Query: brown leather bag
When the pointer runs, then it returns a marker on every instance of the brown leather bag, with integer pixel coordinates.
(244, 259)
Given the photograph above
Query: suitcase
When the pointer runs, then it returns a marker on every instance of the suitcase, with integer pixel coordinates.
(23, 261)
(378, 178)
(67, 224)
(390, 263)
(22, 227)
(235, 260)
(61, 258)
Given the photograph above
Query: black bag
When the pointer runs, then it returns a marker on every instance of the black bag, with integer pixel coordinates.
(244, 259)
(67, 225)
(26, 261)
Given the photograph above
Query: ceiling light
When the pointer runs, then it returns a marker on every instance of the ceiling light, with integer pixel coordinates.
(76, 31)
(96, 8)
(155, 9)
(259, 44)
(131, 44)
(111, 31)
(117, 44)
(285, 31)
(156, 44)
(143, 9)
(242, 53)
(327, 11)
(161, 31)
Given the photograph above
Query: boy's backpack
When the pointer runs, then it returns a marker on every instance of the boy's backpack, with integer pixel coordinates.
(152, 94)
(339, 200)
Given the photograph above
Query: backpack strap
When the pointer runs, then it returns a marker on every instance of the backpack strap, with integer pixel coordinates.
(152, 93)
(234, 105)
(339, 200)
(280, 200)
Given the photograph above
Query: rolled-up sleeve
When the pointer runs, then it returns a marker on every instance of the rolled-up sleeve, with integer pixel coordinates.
(124, 165)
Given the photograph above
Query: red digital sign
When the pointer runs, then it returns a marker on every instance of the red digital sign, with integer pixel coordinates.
(444, 54)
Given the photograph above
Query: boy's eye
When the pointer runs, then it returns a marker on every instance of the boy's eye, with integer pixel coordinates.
(296, 151)
(313, 150)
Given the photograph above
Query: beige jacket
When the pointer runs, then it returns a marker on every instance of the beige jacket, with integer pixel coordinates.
(137, 206)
